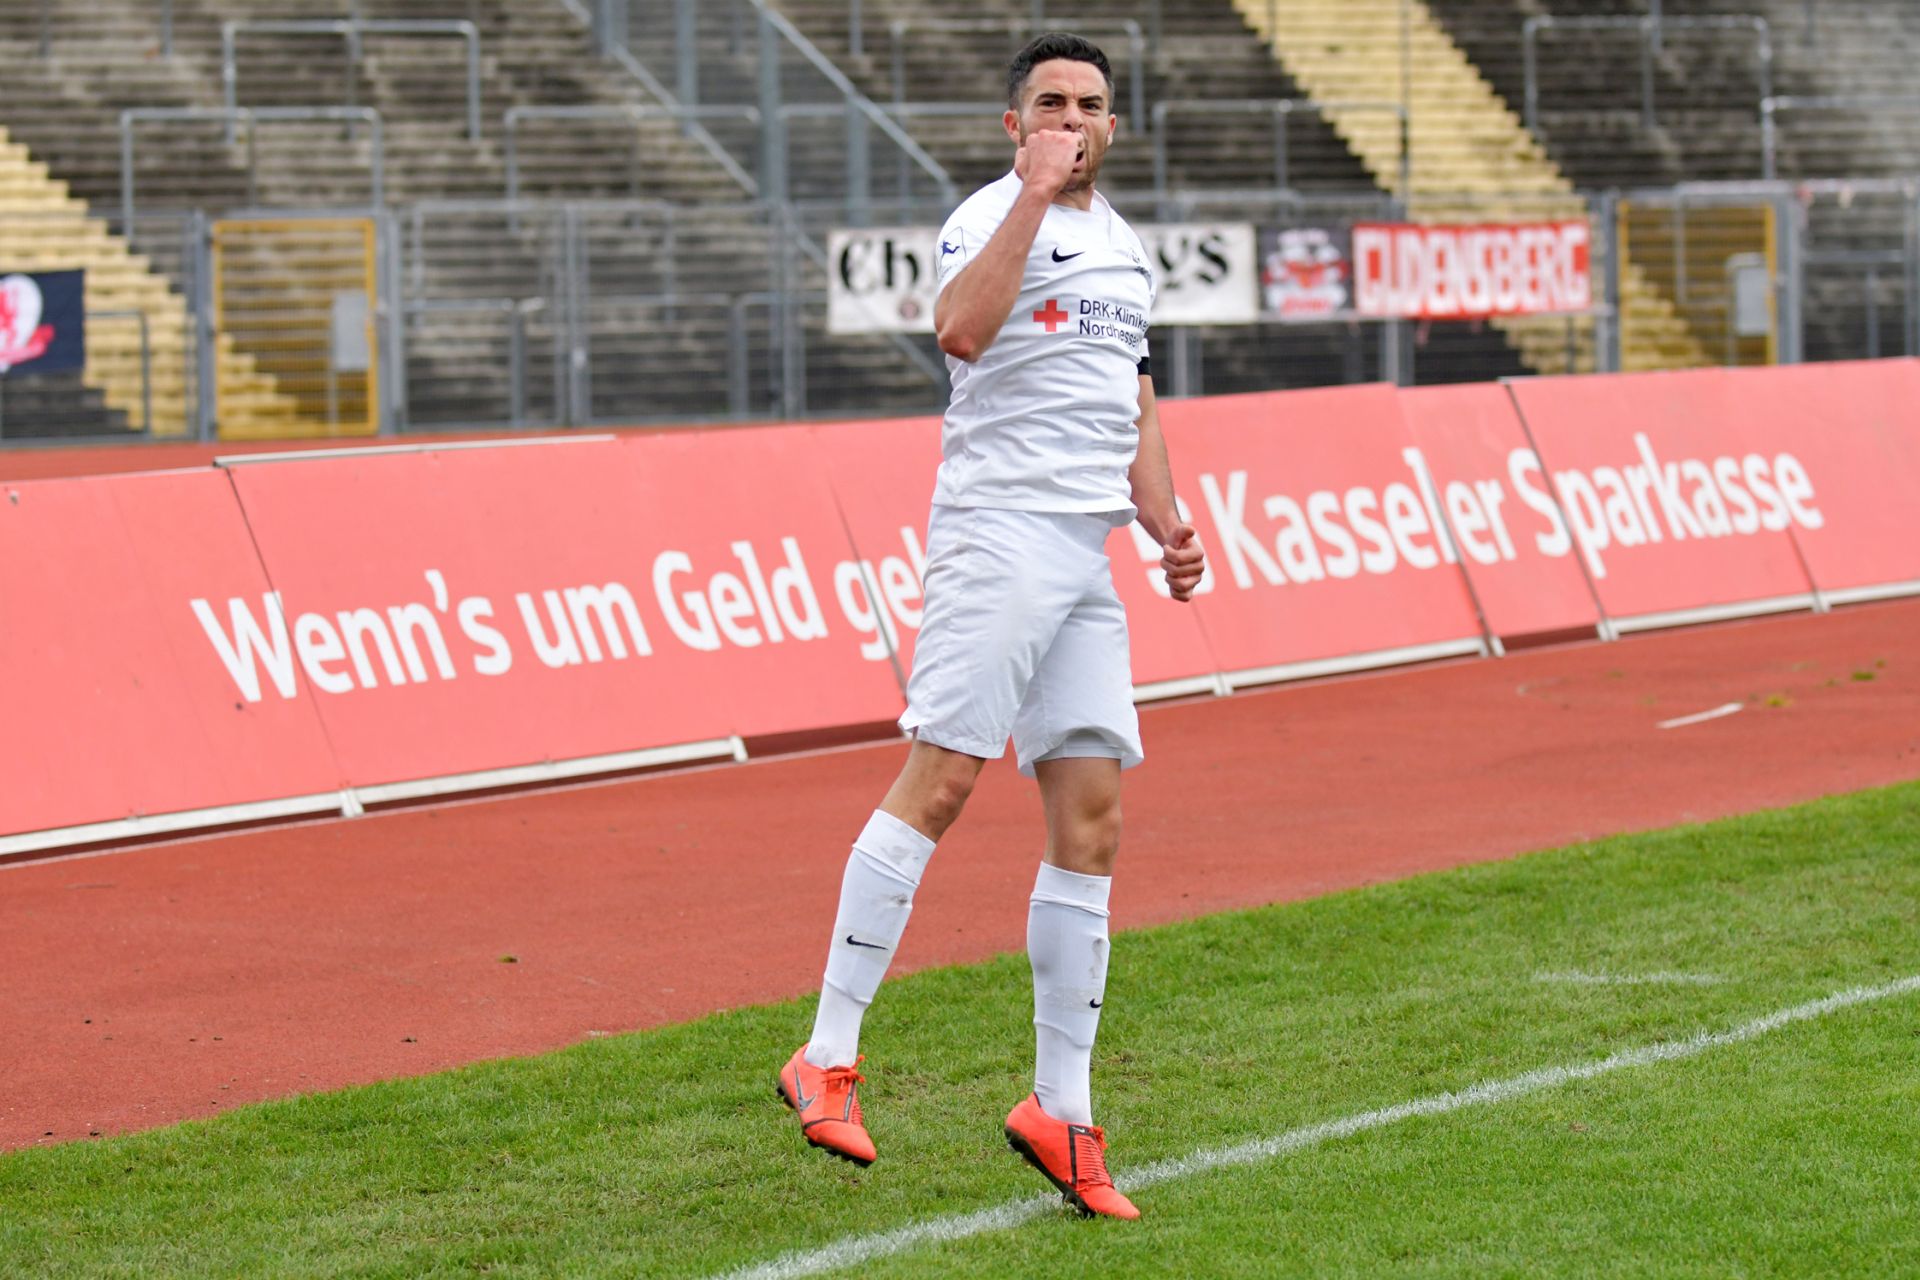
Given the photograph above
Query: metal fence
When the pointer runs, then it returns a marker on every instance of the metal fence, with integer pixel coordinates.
(1649, 31)
(813, 131)
(588, 312)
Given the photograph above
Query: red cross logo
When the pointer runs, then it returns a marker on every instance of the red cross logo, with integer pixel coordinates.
(1051, 315)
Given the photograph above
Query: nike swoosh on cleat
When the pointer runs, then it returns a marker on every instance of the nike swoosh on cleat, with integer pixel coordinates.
(800, 1100)
(855, 942)
(1068, 258)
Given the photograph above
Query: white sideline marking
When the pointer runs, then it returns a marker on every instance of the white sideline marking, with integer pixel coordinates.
(1725, 709)
(857, 1249)
(1630, 979)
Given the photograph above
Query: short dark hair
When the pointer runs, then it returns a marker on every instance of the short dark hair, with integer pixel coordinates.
(1048, 47)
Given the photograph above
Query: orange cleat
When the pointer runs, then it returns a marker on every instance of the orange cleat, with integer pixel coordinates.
(828, 1104)
(1072, 1156)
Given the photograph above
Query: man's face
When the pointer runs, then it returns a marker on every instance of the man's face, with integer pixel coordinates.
(1071, 96)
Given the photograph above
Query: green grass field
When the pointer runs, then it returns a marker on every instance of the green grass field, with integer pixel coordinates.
(1792, 1152)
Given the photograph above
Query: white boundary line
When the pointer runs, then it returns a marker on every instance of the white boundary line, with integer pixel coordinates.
(330, 802)
(1882, 591)
(678, 753)
(459, 801)
(856, 1249)
(1724, 709)
(1156, 690)
(351, 801)
(231, 460)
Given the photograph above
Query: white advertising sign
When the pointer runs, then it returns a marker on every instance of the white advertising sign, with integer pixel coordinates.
(880, 280)
(1207, 272)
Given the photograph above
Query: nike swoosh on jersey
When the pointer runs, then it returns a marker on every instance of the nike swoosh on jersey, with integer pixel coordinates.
(1069, 258)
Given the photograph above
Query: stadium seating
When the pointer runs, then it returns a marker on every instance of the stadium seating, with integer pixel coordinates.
(648, 359)
(45, 229)
(1706, 99)
(1706, 90)
(1706, 87)
(1471, 159)
(676, 318)
(1208, 51)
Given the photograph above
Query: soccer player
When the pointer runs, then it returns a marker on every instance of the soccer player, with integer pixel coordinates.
(1050, 442)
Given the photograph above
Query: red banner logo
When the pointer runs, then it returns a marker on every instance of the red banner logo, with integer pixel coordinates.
(1463, 272)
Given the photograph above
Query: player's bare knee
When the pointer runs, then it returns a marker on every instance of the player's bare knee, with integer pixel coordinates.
(947, 794)
(1089, 841)
(931, 792)
(1103, 836)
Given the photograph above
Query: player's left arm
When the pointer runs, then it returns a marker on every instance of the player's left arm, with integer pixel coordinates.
(1151, 477)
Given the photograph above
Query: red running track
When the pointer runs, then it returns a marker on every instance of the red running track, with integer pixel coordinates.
(156, 984)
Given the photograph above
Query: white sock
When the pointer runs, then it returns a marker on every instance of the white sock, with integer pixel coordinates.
(1067, 945)
(876, 897)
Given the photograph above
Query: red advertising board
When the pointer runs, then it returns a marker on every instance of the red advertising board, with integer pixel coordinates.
(883, 475)
(1169, 646)
(1668, 506)
(1497, 506)
(474, 609)
(1853, 429)
(1324, 539)
(1464, 272)
(116, 705)
(178, 642)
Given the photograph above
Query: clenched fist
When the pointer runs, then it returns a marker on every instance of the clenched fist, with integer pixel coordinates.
(1184, 562)
(1046, 159)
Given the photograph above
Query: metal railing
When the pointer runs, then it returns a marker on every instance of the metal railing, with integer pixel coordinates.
(1136, 51)
(775, 36)
(618, 300)
(1652, 30)
(581, 258)
(516, 310)
(1156, 24)
(859, 175)
(1875, 266)
(607, 22)
(1771, 107)
(1282, 110)
(351, 30)
(633, 112)
(735, 306)
(1865, 202)
(46, 28)
(791, 229)
(775, 22)
(253, 117)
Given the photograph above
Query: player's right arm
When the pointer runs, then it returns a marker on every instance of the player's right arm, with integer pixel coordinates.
(975, 303)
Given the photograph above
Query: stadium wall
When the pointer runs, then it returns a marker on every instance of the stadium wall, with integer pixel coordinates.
(282, 634)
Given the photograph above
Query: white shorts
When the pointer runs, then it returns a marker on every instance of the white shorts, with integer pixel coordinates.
(1022, 635)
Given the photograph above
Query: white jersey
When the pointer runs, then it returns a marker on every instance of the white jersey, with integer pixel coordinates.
(1047, 418)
